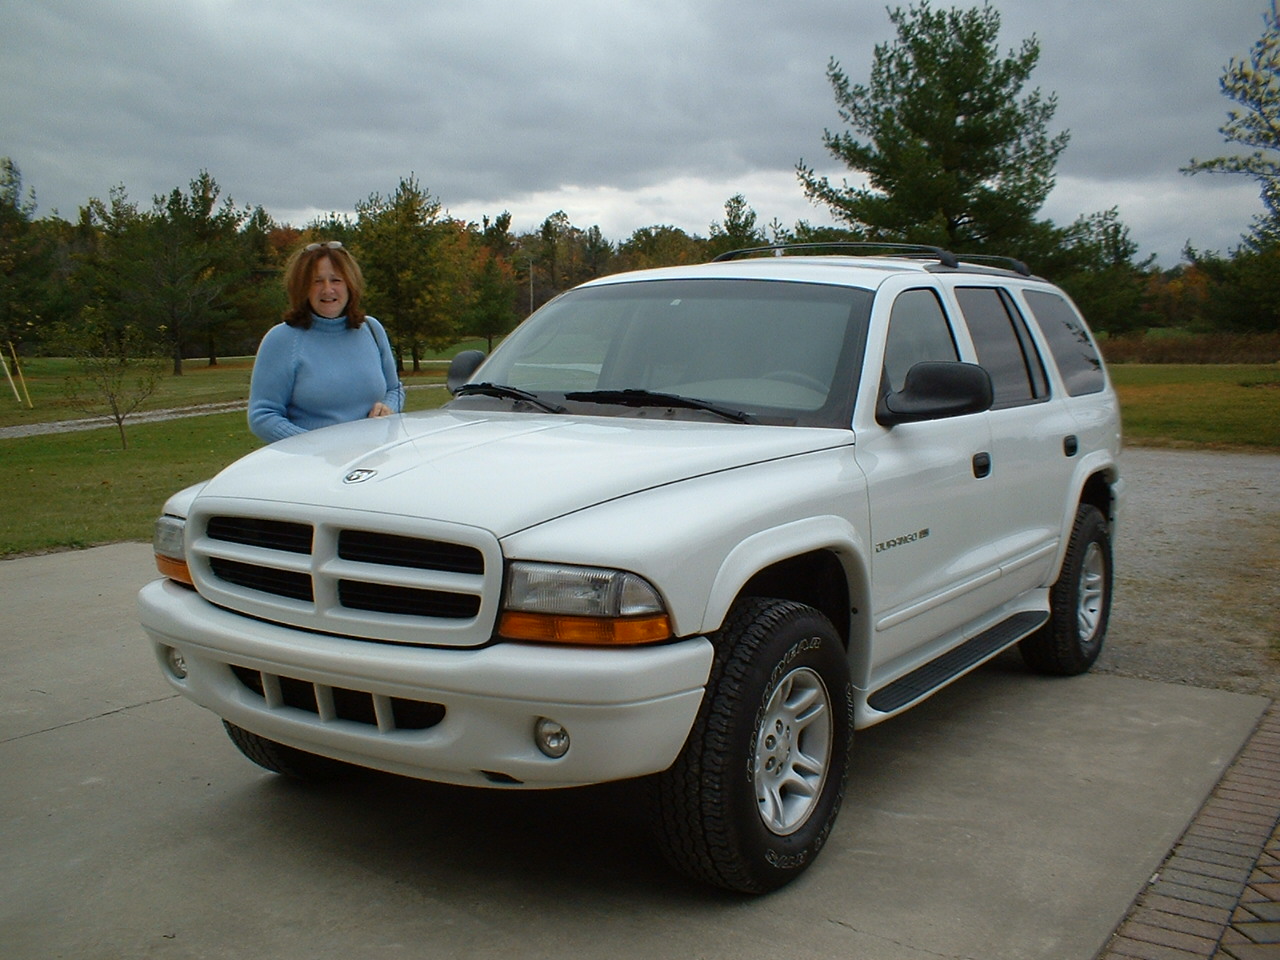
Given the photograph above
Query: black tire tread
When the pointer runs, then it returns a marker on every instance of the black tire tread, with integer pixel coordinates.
(285, 760)
(694, 839)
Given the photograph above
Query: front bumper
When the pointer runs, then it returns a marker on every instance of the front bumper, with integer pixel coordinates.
(627, 711)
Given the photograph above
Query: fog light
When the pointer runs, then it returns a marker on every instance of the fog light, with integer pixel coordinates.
(551, 738)
(175, 663)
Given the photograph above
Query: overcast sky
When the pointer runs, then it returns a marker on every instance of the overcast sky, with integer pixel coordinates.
(623, 114)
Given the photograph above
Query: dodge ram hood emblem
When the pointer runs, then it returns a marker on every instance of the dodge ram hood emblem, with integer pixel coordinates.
(359, 476)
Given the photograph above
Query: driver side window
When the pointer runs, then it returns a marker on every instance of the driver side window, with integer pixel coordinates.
(918, 330)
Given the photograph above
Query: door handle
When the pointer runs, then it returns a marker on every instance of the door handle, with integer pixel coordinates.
(981, 465)
(1071, 445)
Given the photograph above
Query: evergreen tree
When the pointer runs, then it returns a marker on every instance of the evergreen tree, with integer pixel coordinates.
(396, 239)
(1095, 266)
(493, 311)
(26, 259)
(738, 231)
(169, 271)
(953, 151)
(1254, 84)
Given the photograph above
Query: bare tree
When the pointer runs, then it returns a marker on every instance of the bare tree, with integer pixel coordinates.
(118, 369)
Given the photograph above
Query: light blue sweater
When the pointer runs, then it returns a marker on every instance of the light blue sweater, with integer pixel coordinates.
(326, 374)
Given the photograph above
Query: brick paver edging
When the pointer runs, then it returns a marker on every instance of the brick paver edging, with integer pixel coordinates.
(1217, 895)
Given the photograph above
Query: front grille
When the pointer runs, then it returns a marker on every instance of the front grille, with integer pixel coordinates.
(397, 551)
(256, 532)
(418, 581)
(406, 601)
(281, 583)
(339, 703)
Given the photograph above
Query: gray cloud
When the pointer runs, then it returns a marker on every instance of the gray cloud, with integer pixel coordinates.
(624, 114)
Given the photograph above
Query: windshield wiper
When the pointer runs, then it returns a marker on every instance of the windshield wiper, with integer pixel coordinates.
(510, 393)
(650, 398)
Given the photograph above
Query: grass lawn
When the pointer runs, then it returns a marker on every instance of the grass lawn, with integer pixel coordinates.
(1192, 405)
(44, 379)
(77, 489)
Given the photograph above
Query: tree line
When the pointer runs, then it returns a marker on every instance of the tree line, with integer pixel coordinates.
(947, 145)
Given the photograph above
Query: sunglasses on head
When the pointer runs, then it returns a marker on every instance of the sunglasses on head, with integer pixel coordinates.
(327, 245)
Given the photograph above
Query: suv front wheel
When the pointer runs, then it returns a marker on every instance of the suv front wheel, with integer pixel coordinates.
(753, 795)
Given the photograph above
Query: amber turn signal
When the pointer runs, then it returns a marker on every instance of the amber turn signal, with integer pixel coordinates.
(174, 569)
(584, 631)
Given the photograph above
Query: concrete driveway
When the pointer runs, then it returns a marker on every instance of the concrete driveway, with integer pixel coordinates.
(1011, 816)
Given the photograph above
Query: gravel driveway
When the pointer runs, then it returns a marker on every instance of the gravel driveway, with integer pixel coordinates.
(1197, 560)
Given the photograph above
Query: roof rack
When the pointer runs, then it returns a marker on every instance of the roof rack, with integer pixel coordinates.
(1009, 263)
(915, 250)
(945, 257)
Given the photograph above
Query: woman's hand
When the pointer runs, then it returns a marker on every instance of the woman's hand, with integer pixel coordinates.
(381, 410)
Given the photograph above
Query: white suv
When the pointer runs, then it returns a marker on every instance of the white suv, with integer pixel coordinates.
(694, 525)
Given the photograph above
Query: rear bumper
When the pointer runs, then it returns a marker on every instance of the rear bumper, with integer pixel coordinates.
(627, 711)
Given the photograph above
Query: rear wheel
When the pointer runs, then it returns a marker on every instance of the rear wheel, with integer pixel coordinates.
(752, 798)
(288, 761)
(1080, 602)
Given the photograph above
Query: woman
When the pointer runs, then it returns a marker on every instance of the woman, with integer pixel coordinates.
(328, 362)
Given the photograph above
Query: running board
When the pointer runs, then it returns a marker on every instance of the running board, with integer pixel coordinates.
(922, 681)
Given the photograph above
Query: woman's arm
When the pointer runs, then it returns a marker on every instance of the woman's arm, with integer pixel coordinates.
(271, 386)
(394, 400)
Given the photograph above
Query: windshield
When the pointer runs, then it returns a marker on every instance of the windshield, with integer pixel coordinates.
(747, 350)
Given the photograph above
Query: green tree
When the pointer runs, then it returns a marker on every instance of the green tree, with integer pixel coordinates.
(564, 255)
(26, 259)
(496, 235)
(200, 265)
(659, 246)
(1254, 84)
(1095, 265)
(1243, 290)
(170, 270)
(738, 231)
(952, 150)
(456, 254)
(256, 297)
(396, 240)
(597, 253)
(493, 310)
(111, 245)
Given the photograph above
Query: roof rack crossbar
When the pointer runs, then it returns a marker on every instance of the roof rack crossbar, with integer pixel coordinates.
(945, 257)
(1017, 266)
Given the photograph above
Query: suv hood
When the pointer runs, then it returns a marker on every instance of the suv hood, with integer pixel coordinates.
(502, 472)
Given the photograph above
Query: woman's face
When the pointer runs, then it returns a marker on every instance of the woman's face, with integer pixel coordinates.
(328, 290)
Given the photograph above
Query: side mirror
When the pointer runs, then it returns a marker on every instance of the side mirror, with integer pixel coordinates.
(935, 390)
(462, 367)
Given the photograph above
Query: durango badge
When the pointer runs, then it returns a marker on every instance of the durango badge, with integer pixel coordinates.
(359, 476)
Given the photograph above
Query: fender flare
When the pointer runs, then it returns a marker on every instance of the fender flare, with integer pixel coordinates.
(767, 547)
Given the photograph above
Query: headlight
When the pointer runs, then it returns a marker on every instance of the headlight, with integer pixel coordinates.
(583, 605)
(169, 542)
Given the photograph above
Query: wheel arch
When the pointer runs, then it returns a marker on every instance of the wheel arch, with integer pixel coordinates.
(818, 562)
(1097, 484)
(1098, 491)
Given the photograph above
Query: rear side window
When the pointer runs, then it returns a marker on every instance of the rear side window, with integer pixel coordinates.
(1004, 346)
(1069, 342)
(918, 330)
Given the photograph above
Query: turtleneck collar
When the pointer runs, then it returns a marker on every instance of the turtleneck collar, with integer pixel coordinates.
(331, 324)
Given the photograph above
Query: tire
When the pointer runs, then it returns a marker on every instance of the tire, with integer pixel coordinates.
(752, 797)
(287, 761)
(1079, 602)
